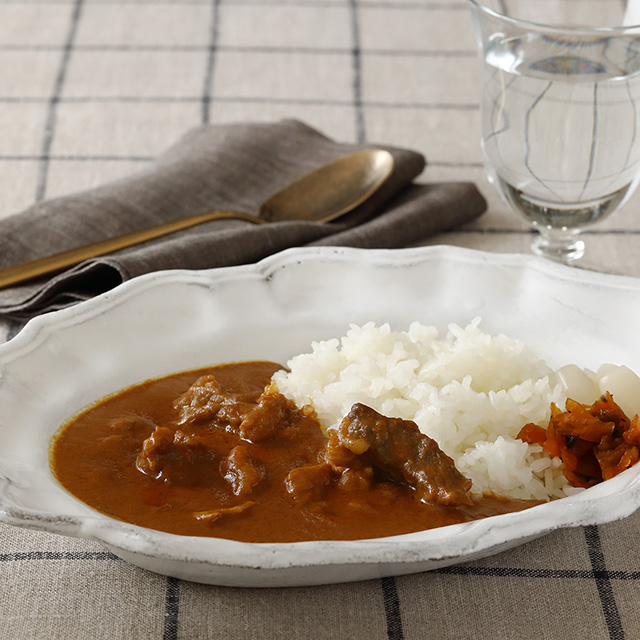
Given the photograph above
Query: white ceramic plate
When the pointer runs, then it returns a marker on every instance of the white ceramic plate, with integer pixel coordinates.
(176, 320)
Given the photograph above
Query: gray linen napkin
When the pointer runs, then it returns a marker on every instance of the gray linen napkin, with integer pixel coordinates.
(219, 167)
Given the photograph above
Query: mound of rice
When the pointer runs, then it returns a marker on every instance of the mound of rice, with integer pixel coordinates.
(469, 391)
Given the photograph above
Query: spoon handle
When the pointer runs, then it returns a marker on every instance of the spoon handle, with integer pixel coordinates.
(28, 270)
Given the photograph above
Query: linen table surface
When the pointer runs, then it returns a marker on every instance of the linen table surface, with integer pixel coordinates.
(92, 91)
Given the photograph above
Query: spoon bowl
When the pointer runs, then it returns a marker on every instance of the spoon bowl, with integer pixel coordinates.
(332, 190)
(319, 196)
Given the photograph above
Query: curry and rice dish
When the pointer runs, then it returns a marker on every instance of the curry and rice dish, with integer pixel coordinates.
(348, 442)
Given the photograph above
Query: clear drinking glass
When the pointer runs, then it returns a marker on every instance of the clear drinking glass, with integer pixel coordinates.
(560, 111)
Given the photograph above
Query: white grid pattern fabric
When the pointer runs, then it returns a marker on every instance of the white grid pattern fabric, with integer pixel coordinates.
(91, 90)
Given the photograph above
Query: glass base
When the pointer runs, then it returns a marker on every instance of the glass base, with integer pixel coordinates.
(561, 245)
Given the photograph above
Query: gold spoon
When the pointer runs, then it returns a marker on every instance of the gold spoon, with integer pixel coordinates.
(320, 196)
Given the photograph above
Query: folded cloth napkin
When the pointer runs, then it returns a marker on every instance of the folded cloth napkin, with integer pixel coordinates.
(221, 167)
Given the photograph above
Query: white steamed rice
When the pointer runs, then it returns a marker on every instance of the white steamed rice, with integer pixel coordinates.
(469, 391)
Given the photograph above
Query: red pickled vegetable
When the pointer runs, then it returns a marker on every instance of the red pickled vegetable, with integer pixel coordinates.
(632, 434)
(595, 442)
(533, 434)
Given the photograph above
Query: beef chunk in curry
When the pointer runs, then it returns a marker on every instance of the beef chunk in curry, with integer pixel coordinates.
(397, 449)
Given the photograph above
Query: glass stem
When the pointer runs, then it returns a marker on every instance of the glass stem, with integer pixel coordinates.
(561, 245)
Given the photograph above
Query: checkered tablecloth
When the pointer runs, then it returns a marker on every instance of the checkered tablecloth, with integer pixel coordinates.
(91, 90)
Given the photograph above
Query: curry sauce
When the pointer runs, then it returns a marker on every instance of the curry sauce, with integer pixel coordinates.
(215, 452)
